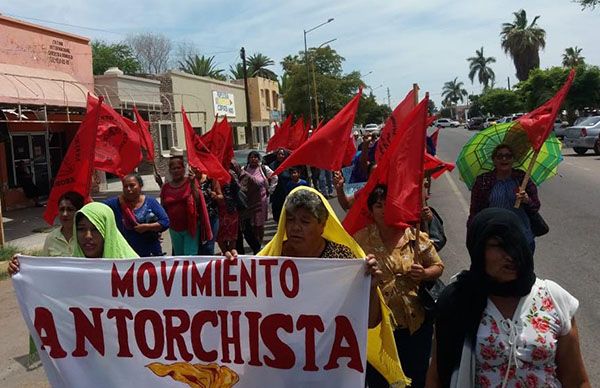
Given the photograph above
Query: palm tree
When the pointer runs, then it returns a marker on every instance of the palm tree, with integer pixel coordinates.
(479, 65)
(257, 66)
(523, 42)
(453, 91)
(237, 71)
(202, 66)
(572, 57)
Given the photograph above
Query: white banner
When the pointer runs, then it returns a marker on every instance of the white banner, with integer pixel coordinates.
(224, 103)
(201, 321)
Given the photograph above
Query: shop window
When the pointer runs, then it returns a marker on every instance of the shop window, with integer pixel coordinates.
(275, 101)
(268, 99)
(166, 135)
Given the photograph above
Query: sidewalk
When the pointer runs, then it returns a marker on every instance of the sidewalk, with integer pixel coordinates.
(26, 229)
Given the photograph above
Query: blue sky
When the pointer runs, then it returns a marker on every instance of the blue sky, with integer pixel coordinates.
(400, 41)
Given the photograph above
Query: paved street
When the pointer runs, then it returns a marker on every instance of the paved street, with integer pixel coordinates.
(569, 205)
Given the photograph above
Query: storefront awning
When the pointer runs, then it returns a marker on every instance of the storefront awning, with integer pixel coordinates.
(27, 85)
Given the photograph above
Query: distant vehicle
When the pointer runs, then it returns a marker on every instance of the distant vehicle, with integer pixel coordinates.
(584, 136)
(241, 156)
(560, 128)
(475, 124)
(446, 123)
(505, 119)
(370, 128)
(489, 121)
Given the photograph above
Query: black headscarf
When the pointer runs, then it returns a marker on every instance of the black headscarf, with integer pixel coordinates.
(462, 303)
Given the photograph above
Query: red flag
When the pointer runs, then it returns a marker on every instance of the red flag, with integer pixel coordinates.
(434, 137)
(297, 135)
(350, 152)
(539, 122)
(219, 141)
(141, 127)
(199, 156)
(280, 138)
(327, 148)
(393, 123)
(118, 148)
(401, 169)
(436, 167)
(76, 169)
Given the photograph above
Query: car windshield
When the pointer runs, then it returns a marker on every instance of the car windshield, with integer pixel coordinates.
(590, 121)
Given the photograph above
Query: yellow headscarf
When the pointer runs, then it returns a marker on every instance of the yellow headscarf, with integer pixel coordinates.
(381, 346)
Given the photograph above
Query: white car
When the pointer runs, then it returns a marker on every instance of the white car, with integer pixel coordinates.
(446, 123)
(370, 128)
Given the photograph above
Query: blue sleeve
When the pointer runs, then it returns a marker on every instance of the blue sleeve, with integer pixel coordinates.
(157, 209)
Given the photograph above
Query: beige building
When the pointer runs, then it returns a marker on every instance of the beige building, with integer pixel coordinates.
(265, 106)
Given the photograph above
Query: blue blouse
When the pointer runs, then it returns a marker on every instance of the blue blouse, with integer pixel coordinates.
(147, 243)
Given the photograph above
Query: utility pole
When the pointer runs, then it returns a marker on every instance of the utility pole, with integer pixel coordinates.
(388, 98)
(307, 82)
(249, 134)
(508, 80)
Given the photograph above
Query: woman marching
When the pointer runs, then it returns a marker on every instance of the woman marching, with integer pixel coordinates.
(140, 218)
(179, 197)
(501, 326)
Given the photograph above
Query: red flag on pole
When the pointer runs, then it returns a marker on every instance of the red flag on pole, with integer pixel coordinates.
(280, 138)
(540, 122)
(219, 140)
(434, 137)
(77, 167)
(327, 148)
(142, 127)
(394, 122)
(199, 156)
(436, 167)
(118, 148)
(401, 170)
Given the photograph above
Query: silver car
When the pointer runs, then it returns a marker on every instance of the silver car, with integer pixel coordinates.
(584, 136)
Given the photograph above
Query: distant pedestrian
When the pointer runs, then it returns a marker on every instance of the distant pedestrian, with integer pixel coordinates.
(211, 190)
(278, 196)
(295, 181)
(140, 218)
(180, 198)
(229, 213)
(25, 180)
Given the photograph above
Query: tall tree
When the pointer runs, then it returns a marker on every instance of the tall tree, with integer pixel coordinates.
(523, 42)
(453, 92)
(151, 50)
(105, 55)
(202, 66)
(236, 71)
(258, 66)
(479, 65)
(572, 57)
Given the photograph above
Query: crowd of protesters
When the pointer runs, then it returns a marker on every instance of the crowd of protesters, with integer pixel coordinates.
(498, 324)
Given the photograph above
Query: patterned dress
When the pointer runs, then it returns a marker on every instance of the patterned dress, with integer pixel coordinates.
(522, 350)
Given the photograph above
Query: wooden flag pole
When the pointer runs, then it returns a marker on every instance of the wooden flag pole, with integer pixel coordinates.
(527, 176)
(418, 227)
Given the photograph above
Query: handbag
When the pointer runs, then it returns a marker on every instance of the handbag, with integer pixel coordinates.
(539, 227)
(429, 292)
(436, 231)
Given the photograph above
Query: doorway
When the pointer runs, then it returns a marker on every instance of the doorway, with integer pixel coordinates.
(30, 152)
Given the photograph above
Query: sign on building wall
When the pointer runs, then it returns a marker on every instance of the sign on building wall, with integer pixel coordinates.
(224, 103)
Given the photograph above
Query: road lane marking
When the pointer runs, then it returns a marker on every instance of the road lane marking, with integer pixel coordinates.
(461, 198)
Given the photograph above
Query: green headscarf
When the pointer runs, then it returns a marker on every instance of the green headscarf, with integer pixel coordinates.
(103, 218)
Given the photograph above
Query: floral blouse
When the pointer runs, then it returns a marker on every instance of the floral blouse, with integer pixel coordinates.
(523, 350)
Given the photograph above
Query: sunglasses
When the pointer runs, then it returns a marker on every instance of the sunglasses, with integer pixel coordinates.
(506, 156)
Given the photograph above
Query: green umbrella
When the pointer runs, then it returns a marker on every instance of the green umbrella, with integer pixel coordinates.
(475, 157)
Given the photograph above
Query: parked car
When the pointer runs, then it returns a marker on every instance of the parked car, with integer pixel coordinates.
(475, 123)
(560, 128)
(489, 121)
(584, 136)
(370, 128)
(446, 123)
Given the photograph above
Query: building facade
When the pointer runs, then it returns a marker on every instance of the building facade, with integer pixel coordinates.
(45, 76)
